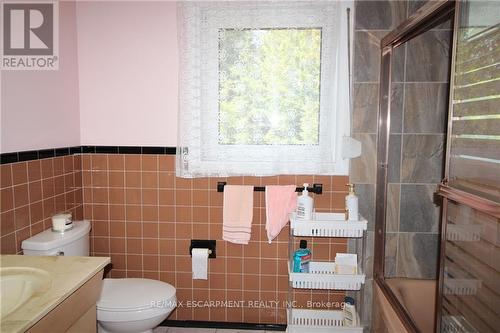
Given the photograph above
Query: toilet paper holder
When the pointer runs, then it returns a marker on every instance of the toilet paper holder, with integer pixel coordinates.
(204, 244)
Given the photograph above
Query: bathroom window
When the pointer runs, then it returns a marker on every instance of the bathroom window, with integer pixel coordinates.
(269, 86)
(263, 88)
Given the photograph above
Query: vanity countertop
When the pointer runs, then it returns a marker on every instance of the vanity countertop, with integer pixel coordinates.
(67, 275)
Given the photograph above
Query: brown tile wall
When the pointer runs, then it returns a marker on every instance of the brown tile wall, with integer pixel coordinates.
(31, 192)
(144, 218)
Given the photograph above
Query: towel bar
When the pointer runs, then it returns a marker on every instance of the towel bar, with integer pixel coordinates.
(316, 188)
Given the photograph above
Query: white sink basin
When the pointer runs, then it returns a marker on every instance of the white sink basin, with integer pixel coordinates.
(19, 284)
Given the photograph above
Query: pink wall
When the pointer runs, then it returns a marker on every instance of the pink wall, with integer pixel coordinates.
(127, 54)
(39, 109)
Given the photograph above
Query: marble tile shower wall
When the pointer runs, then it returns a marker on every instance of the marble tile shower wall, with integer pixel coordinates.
(144, 217)
(416, 134)
(416, 157)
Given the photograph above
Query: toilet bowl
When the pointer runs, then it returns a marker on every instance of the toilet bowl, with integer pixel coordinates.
(133, 305)
(126, 305)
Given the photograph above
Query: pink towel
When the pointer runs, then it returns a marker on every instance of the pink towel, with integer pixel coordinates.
(237, 213)
(280, 202)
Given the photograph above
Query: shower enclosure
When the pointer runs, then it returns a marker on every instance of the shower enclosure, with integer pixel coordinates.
(437, 254)
(469, 289)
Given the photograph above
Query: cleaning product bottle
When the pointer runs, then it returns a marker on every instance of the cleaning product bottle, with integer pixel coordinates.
(305, 205)
(301, 258)
(351, 204)
(349, 312)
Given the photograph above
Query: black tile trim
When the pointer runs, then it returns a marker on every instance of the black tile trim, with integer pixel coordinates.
(88, 149)
(221, 324)
(154, 150)
(129, 150)
(75, 150)
(27, 155)
(106, 150)
(170, 150)
(30, 155)
(62, 151)
(9, 158)
(46, 153)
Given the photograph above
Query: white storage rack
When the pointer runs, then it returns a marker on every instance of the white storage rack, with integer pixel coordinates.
(322, 274)
(463, 232)
(462, 287)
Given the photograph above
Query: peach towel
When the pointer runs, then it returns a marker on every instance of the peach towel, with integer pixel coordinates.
(280, 202)
(237, 213)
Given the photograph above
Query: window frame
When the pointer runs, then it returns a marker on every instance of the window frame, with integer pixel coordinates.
(205, 156)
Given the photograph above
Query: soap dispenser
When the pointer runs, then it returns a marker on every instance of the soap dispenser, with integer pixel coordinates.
(351, 204)
(305, 205)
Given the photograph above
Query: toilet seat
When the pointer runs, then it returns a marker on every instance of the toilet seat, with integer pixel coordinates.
(134, 299)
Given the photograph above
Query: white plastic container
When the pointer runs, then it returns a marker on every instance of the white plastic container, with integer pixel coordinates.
(62, 222)
(346, 263)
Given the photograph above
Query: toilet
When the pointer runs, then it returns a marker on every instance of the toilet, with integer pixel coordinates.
(125, 305)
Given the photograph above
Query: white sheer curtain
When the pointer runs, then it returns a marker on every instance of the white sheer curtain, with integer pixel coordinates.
(200, 152)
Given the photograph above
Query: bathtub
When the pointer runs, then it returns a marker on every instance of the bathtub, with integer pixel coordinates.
(418, 297)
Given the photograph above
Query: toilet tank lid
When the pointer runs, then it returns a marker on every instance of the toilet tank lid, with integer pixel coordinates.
(47, 240)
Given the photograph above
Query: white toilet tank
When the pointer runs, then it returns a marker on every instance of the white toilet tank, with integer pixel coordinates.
(74, 242)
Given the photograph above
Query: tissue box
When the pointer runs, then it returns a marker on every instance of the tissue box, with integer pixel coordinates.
(346, 263)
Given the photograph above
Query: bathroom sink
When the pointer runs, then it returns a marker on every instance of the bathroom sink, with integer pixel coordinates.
(19, 284)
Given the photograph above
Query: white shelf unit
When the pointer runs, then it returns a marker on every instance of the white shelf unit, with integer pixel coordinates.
(456, 324)
(463, 232)
(328, 225)
(322, 274)
(317, 321)
(462, 287)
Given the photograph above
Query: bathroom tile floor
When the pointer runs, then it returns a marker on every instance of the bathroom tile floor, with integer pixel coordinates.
(164, 329)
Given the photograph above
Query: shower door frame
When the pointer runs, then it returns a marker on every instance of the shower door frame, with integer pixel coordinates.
(424, 19)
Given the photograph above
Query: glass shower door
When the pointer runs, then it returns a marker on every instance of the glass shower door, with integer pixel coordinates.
(474, 159)
(416, 149)
(471, 275)
(470, 255)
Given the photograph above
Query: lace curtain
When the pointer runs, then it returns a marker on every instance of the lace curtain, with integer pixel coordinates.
(205, 147)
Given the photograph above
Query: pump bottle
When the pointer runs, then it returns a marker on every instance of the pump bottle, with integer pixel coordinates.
(351, 204)
(304, 205)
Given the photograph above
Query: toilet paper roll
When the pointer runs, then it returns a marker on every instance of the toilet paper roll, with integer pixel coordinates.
(200, 263)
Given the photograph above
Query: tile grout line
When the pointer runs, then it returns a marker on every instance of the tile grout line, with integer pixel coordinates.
(141, 157)
(158, 215)
(14, 212)
(175, 238)
(92, 203)
(108, 206)
(29, 200)
(125, 214)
